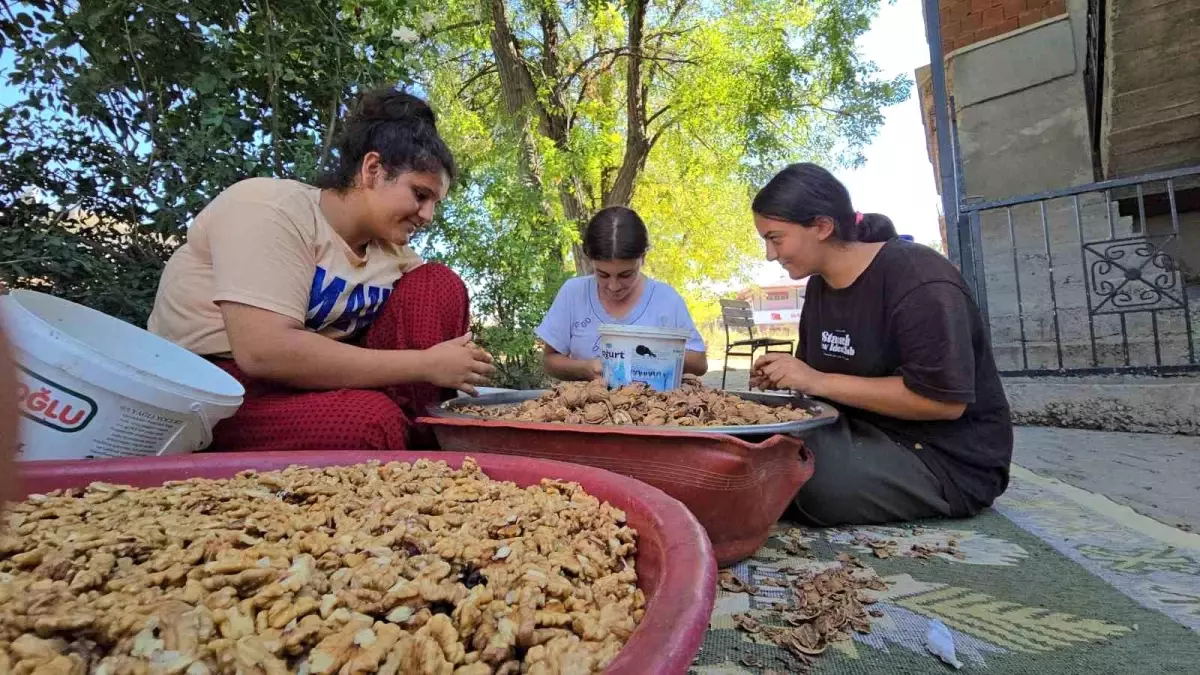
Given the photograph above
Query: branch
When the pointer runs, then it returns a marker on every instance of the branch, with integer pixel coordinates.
(335, 100)
(667, 59)
(15, 261)
(456, 59)
(327, 142)
(659, 35)
(488, 69)
(658, 38)
(660, 111)
(137, 66)
(831, 111)
(636, 146)
(584, 64)
(273, 93)
(659, 133)
(11, 16)
(452, 27)
(583, 85)
(567, 32)
(623, 51)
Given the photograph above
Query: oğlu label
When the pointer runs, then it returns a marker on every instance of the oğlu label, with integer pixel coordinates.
(51, 404)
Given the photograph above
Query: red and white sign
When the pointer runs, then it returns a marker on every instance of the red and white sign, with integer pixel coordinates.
(769, 317)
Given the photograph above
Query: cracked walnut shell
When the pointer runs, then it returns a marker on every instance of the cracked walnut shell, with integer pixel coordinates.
(692, 405)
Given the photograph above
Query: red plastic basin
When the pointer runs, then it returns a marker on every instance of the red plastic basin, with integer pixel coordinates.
(675, 563)
(737, 489)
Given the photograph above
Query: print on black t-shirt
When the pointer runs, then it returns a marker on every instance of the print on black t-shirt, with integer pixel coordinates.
(837, 344)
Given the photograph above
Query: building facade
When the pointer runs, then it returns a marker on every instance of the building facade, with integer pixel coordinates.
(777, 304)
(1077, 137)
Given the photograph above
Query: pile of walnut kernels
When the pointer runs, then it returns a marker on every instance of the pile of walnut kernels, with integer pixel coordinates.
(392, 568)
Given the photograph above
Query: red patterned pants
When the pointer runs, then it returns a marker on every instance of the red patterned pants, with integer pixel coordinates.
(427, 306)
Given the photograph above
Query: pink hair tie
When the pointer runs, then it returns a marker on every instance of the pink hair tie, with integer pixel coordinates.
(858, 218)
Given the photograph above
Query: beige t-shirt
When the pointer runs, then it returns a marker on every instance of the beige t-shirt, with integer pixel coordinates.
(264, 242)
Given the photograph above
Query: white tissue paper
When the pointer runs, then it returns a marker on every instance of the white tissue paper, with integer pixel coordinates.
(940, 642)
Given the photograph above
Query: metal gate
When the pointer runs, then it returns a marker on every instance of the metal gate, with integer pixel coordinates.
(1085, 279)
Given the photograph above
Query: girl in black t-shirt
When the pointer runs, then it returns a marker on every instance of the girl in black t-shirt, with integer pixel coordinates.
(890, 333)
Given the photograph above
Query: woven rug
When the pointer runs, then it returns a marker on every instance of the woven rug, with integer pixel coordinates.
(1051, 580)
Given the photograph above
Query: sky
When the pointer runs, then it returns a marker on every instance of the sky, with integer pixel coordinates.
(897, 179)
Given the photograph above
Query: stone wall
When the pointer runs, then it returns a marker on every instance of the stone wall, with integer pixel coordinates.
(1152, 98)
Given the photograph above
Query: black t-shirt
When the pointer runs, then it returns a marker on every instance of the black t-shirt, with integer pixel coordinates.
(910, 314)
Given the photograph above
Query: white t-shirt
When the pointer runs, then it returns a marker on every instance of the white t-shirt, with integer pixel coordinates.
(572, 326)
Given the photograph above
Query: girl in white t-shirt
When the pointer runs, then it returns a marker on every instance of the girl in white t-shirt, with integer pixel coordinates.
(615, 241)
(312, 298)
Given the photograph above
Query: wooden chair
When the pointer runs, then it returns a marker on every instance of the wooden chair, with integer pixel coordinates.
(737, 314)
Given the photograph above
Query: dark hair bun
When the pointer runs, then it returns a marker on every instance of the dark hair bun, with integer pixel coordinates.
(875, 227)
(390, 105)
(398, 126)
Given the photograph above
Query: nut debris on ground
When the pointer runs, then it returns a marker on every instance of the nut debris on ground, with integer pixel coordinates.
(823, 608)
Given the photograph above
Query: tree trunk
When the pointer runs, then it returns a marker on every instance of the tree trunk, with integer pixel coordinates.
(637, 145)
(519, 94)
(517, 90)
(516, 85)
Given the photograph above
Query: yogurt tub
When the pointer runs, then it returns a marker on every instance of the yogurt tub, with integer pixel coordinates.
(91, 386)
(643, 354)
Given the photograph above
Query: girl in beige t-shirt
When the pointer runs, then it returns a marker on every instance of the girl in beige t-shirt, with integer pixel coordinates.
(313, 299)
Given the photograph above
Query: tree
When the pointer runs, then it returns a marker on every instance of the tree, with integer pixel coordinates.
(676, 107)
(134, 115)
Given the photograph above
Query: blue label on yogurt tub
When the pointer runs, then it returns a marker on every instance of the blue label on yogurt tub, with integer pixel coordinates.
(654, 366)
(659, 377)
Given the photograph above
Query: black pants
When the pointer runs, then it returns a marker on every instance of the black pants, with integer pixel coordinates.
(862, 477)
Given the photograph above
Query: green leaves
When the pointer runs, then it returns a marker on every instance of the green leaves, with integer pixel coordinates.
(134, 116)
(206, 83)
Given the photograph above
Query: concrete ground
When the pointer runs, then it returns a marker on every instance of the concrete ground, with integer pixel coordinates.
(1157, 475)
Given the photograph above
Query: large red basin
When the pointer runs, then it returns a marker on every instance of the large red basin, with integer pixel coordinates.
(736, 488)
(675, 563)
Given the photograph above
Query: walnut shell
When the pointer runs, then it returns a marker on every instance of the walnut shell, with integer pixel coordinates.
(592, 403)
(595, 413)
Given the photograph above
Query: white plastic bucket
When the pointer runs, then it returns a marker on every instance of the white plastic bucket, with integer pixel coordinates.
(91, 385)
(643, 354)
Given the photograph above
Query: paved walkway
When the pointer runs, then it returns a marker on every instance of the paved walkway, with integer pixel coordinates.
(1155, 474)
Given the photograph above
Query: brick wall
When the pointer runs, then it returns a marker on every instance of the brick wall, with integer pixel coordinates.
(965, 22)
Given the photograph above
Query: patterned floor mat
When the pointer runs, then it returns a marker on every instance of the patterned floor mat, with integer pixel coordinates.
(1053, 580)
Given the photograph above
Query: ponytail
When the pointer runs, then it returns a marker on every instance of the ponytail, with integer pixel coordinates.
(874, 227)
(801, 192)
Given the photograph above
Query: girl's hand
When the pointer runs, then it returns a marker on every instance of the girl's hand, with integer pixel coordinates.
(458, 364)
(784, 371)
(596, 369)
